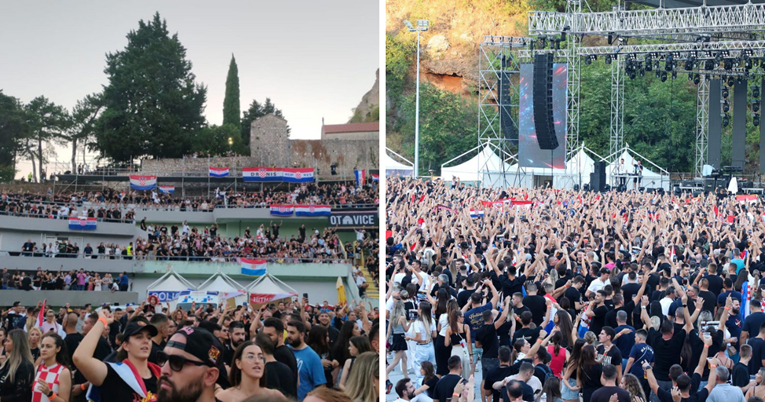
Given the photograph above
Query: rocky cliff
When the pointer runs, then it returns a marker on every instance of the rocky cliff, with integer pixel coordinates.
(368, 109)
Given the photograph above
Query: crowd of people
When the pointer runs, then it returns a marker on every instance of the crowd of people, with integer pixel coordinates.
(290, 350)
(64, 280)
(557, 295)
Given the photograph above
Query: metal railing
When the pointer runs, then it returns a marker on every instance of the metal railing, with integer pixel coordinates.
(63, 218)
(154, 257)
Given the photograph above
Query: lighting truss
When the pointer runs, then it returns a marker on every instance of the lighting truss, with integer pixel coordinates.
(697, 20)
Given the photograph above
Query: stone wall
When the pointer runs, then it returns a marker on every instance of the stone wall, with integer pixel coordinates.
(270, 146)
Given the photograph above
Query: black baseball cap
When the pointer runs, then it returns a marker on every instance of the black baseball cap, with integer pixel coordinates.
(201, 344)
(137, 326)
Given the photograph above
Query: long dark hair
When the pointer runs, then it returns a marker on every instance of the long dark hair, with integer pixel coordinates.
(566, 328)
(556, 340)
(317, 340)
(235, 375)
(362, 344)
(442, 297)
(62, 357)
(341, 352)
(551, 389)
(425, 315)
(588, 357)
(427, 367)
(454, 315)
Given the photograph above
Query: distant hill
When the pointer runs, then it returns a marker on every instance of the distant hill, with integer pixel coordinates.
(368, 110)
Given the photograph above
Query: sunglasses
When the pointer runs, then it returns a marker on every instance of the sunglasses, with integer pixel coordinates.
(176, 362)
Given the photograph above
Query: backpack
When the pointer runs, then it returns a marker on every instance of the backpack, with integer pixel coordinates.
(547, 370)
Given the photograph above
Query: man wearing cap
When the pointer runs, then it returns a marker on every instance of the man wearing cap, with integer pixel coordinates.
(133, 378)
(189, 367)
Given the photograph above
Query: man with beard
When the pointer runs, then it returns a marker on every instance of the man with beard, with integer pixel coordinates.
(324, 321)
(236, 337)
(189, 367)
(274, 328)
(405, 390)
(311, 371)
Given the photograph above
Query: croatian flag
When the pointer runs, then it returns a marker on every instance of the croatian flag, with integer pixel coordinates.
(303, 175)
(82, 223)
(218, 172)
(475, 213)
(313, 210)
(376, 177)
(166, 189)
(746, 198)
(253, 267)
(41, 314)
(262, 174)
(360, 177)
(282, 210)
(138, 182)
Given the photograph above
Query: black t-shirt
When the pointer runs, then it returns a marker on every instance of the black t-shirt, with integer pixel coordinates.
(72, 341)
(752, 323)
(573, 295)
(445, 386)
(538, 307)
(119, 391)
(511, 286)
(700, 396)
(599, 319)
(710, 300)
(630, 290)
(591, 376)
(464, 296)
(431, 383)
(528, 392)
(613, 356)
(604, 394)
(153, 354)
(758, 353)
(286, 356)
(487, 335)
(666, 353)
(494, 375)
(740, 375)
(280, 377)
(715, 285)
(528, 334)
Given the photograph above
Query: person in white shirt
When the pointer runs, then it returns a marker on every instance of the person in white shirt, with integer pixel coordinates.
(406, 392)
(599, 283)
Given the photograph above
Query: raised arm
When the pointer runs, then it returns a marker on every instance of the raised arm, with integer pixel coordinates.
(92, 369)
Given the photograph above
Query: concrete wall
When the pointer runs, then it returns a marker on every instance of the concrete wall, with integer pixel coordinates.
(355, 136)
(270, 143)
(61, 226)
(12, 241)
(66, 264)
(59, 298)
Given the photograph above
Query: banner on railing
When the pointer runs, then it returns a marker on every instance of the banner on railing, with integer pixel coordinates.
(165, 295)
(313, 210)
(166, 189)
(375, 177)
(218, 172)
(82, 223)
(360, 177)
(353, 219)
(282, 210)
(139, 182)
(267, 174)
(253, 267)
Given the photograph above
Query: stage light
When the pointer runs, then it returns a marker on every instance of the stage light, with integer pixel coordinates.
(648, 64)
(756, 91)
(718, 58)
(755, 105)
(696, 79)
(642, 72)
(674, 74)
(587, 61)
(563, 33)
(690, 77)
(709, 65)
(658, 74)
(756, 120)
(610, 38)
(632, 75)
(725, 119)
(656, 65)
(608, 59)
(730, 81)
(663, 76)
(728, 64)
(725, 93)
(725, 106)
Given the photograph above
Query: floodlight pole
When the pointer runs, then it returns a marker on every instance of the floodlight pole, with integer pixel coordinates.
(422, 25)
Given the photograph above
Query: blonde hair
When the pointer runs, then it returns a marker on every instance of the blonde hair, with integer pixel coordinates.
(39, 332)
(328, 395)
(590, 337)
(362, 387)
(18, 353)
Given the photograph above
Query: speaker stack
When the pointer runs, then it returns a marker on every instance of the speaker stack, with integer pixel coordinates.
(598, 177)
(543, 99)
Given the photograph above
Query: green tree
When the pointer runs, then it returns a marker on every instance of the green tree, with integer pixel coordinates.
(46, 122)
(447, 126)
(13, 129)
(152, 104)
(256, 111)
(231, 114)
(80, 128)
(214, 140)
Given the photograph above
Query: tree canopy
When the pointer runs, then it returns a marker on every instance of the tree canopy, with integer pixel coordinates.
(256, 111)
(152, 104)
(231, 113)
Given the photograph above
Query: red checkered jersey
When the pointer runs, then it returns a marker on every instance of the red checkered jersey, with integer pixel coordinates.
(51, 376)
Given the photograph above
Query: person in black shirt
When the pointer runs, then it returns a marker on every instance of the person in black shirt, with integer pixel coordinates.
(526, 332)
(445, 386)
(667, 344)
(573, 293)
(609, 388)
(608, 353)
(487, 336)
(597, 311)
(464, 296)
(498, 373)
(686, 385)
(537, 304)
(518, 307)
(753, 322)
(740, 372)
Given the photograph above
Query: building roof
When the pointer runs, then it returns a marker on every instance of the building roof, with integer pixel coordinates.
(349, 128)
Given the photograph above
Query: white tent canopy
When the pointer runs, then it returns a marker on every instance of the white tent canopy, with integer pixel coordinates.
(577, 171)
(268, 289)
(395, 168)
(651, 179)
(468, 171)
(223, 283)
(167, 287)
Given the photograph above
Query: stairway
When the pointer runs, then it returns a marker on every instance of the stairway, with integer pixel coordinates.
(372, 291)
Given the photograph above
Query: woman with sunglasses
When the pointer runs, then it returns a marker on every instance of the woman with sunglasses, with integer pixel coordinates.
(53, 380)
(133, 377)
(247, 375)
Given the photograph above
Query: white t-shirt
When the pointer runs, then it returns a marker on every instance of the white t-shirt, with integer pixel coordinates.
(419, 327)
(443, 320)
(596, 285)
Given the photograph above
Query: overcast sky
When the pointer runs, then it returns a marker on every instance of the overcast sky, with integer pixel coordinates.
(313, 59)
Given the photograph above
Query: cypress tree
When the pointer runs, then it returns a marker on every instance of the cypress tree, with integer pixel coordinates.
(231, 114)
